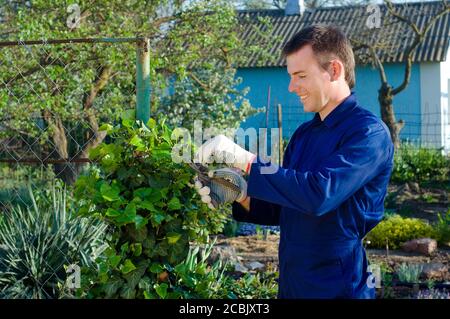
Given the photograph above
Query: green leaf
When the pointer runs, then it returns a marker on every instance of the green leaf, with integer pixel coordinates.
(112, 286)
(159, 182)
(145, 283)
(128, 266)
(129, 215)
(128, 292)
(172, 238)
(112, 212)
(113, 261)
(149, 295)
(128, 115)
(156, 268)
(136, 249)
(110, 193)
(140, 221)
(158, 218)
(137, 141)
(174, 204)
(106, 127)
(148, 206)
(161, 290)
(151, 123)
(135, 276)
(124, 248)
(143, 192)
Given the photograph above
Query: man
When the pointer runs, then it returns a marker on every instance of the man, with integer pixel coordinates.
(329, 193)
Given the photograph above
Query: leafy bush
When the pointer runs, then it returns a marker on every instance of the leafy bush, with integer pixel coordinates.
(262, 285)
(219, 104)
(36, 243)
(395, 230)
(152, 206)
(412, 163)
(442, 228)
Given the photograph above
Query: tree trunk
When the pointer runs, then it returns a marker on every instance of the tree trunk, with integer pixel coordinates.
(67, 172)
(385, 97)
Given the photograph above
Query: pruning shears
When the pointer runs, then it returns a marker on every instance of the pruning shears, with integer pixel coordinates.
(204, 178)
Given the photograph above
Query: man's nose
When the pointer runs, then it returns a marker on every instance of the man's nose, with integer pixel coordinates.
(292, 86)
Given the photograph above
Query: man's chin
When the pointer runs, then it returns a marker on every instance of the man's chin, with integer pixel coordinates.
(307, 109)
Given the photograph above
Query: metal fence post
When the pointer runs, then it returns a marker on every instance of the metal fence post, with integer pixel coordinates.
(143, 80)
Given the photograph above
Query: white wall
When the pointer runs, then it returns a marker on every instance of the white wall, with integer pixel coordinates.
(445, 103)
(434, 96)
(430, 104)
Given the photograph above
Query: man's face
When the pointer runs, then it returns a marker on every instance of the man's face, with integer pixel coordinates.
(308, 80)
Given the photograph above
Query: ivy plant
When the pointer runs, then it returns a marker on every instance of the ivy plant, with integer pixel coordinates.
(152, 208)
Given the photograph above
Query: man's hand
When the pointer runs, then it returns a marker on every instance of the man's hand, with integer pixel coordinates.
(222, 149)
(215, 193)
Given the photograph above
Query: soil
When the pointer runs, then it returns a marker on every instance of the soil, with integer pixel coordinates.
(412, 200)
(254, 248)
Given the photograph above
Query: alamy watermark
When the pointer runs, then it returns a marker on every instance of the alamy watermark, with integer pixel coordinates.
(257, 142)
(374, 19)
(374, 279)
(73, 280)
(73, 20)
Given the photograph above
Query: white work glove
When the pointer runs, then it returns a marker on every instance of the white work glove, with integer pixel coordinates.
(215, 194)
(223, 150)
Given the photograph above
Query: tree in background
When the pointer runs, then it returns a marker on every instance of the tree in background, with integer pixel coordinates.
(54, 97)
(370, 46)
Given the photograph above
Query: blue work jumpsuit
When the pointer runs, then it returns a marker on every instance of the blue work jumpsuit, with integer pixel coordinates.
(328, 194)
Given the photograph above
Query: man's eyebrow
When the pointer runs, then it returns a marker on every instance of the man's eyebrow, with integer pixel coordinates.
(297, 72)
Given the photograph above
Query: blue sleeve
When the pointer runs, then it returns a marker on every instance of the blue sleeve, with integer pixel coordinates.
(363, 153)
(261, 212)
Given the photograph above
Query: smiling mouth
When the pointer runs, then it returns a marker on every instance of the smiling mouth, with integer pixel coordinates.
(303, 97)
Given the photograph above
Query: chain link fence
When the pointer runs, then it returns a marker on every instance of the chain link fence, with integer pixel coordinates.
(54, 97)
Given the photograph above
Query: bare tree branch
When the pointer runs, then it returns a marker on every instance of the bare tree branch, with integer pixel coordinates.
(97, 136)
(419, 36)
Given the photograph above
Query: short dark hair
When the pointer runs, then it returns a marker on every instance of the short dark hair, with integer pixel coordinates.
(327, 42)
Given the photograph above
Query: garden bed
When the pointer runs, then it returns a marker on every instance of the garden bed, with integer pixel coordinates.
(254, 249)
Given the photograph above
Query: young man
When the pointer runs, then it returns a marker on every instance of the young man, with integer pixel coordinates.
(329, 193)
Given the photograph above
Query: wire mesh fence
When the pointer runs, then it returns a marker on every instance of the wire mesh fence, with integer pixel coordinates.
(54, 97)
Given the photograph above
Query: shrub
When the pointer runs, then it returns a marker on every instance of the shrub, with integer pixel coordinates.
(442, 228)
(395, 230)
(262, 285)
(37, 242)
(151, 204)
(219, 106)
(422, 165)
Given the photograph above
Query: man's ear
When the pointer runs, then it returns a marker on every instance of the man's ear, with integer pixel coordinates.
(336, 68)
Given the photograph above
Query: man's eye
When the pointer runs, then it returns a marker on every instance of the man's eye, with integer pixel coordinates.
(302, 76)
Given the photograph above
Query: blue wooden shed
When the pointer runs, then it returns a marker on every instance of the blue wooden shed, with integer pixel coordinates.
(423, 105)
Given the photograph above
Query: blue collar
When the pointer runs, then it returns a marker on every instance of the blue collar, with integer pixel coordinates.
(339, 113)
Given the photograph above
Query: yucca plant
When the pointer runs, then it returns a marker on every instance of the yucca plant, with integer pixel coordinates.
(409, 273)
(38, 242)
